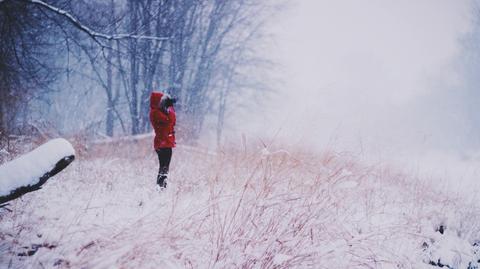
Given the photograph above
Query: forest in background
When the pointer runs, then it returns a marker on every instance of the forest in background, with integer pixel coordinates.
(89, 66)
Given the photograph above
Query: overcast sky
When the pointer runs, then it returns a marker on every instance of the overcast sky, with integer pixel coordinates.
(369, 73)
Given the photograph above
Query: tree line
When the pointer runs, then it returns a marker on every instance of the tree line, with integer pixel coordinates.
(204, 52)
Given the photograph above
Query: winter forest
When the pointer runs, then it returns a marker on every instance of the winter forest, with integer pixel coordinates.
(239, 134)
(89, 66)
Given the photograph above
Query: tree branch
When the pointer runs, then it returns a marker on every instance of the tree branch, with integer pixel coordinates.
(93, 34)
(59, 166)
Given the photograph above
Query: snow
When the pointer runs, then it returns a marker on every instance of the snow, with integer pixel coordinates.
(27, 169)
(450, 246)
(243, 208)
(4, 152)
(281, 258)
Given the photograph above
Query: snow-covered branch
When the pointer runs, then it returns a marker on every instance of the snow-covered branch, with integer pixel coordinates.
(92, 33)
(29, 172)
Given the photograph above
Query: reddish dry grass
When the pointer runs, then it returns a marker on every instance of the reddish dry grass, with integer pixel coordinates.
(243, 207)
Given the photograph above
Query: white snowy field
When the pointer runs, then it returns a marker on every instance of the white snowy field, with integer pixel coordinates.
(239, 208)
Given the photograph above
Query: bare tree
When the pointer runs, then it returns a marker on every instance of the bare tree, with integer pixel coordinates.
(26, 69)
(200, 50)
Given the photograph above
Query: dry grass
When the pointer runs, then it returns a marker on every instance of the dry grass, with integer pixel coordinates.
(238, 208)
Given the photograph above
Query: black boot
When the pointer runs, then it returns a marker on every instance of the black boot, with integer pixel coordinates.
(162, 180)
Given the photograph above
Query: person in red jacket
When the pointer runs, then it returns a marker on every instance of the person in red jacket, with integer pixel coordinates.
(162, 118)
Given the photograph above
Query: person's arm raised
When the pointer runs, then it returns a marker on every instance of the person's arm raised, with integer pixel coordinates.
(160, 117)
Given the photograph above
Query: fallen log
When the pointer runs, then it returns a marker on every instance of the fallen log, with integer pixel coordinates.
(30, 171)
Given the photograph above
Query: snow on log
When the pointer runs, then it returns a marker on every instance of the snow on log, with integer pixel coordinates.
(30, 171)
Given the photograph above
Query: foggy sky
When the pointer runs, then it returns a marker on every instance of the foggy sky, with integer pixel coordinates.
(370, 74)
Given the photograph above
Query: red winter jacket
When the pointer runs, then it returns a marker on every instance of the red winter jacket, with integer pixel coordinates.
(162, 123)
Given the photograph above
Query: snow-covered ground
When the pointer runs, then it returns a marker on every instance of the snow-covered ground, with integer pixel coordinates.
(240, 208)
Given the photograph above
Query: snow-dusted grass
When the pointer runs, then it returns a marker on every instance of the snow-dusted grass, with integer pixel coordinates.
(240, 208)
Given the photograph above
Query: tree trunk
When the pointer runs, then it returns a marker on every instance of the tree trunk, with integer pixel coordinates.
(221, 117)
(133, 68)
(110, 104)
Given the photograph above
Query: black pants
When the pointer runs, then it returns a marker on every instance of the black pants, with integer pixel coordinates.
(164, 157)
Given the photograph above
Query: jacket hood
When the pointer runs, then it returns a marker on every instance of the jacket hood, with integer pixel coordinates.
(155, 98)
